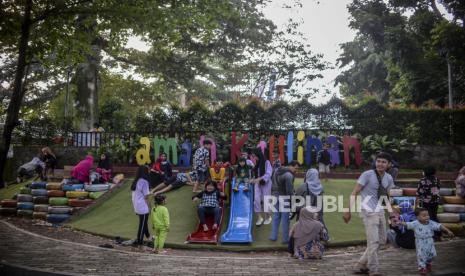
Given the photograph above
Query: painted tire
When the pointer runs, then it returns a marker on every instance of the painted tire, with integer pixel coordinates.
(7, 211)
(409, 191)
(39, 192)
(24, 198)
(72, 187)
(396, 192)
(24, 213)
(457, 228)
(79, 202)
(39, 215)
(39, 185)
(454, 208)
(76, 210)
(95, 195)
(462, 216)
(8, 203)
(97, 187)
(59, 210)
(398, 199)
(446, 191)
(453, 200)
(25, 206)
(57, 218)
(76, 194)
(448, 217)
(55, 193)
(440, 208)
(58, 201)
(41, 208)
(40, 200)
(53, 186)
(25, 190)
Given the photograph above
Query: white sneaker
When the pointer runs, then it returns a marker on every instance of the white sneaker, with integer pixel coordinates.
(259, 221)
(267, 221)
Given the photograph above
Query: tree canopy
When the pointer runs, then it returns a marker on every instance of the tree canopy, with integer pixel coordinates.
(401, 50)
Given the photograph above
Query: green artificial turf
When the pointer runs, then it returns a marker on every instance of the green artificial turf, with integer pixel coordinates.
(11, 190)
(115, 217)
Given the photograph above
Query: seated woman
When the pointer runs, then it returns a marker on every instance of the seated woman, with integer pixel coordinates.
(50, 160)
(209, 204)
(161, 171)
(312, 187)
(81, 172)
(307, 235)
(104, 168)
(29, 169)
(399, 235)
(180, 180)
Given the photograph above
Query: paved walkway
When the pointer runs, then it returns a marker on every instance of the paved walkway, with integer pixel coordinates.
(29, 250)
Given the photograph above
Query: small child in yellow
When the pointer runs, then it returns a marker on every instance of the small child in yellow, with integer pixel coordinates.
(160, 219)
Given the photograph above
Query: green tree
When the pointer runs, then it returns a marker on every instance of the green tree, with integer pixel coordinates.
(401, 51)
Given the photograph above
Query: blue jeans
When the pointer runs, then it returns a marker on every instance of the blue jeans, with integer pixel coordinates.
(277, 218)
(202, 211)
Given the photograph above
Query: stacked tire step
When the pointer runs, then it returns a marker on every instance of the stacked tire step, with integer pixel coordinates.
(451, 212)
(54, 202)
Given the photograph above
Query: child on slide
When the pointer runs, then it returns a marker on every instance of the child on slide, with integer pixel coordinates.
(209, 204)
(160, 219)
(243, 174)
(180, 180)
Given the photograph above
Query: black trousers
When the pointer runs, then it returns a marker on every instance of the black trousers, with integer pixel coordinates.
(143, 229)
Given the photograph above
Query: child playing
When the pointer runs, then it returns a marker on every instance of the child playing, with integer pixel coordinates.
(243, 174)
(160, 219)
(180, 180)
(104, 167)
(424, 231)
(27, 170)
(50, 160)
(201, 163)
(209, 204)
(81, 171)
(428, 193)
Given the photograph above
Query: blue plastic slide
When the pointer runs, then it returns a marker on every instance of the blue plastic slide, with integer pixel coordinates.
(240, 216)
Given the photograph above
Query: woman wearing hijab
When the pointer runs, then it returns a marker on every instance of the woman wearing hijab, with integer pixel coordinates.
(262, 187)
(312, 187)
(104, 167)
(307, 234)
(82, 169)
(399, 234)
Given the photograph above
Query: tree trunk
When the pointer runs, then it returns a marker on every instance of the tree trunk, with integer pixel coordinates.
(18, 92)
(87, 81)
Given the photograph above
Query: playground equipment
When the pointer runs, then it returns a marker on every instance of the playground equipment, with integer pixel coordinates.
(240, 219)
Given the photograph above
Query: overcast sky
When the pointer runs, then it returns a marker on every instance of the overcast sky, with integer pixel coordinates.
(325, 25)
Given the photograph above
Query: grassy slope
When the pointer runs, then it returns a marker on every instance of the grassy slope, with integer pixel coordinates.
(115, 217)
(11, 190)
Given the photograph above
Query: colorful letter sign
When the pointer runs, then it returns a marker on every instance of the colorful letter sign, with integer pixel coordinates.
(143, 154)
(186, 152)
(169, 147)
(348, 143)
(236, 146)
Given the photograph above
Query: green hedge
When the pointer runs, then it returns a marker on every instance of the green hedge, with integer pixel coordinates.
(423, 126)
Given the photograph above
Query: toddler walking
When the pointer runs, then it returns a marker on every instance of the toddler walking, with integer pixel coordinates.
(424, 231)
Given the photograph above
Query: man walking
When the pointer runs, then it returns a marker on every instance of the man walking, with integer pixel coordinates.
(372, 185)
